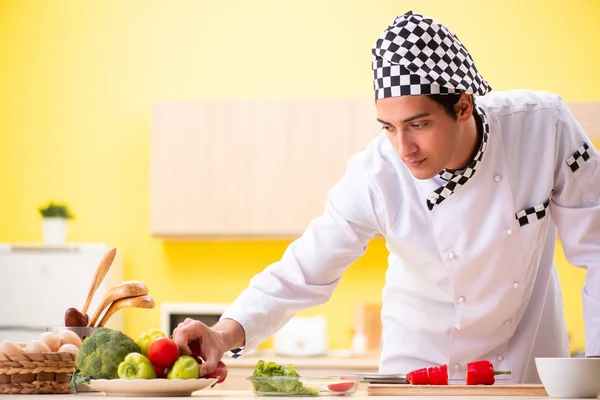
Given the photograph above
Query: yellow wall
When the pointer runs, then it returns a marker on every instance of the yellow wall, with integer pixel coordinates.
(78, 79)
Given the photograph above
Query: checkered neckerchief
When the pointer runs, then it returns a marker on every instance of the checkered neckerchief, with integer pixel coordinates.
(458, 178)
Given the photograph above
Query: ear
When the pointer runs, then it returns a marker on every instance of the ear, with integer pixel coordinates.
(464, 107)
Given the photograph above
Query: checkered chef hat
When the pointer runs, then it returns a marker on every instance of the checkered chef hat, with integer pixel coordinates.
(416, 55)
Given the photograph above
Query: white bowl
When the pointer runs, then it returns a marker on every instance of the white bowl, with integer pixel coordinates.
(569, 377)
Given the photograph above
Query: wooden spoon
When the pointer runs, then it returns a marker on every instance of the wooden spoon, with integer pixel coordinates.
(120, 291)
(135, 302)
(74, 317)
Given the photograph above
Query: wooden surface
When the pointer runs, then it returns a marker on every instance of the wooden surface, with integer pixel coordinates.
(117, 292)
(260, 168)
(101, 271)
(588, 115)
(456, 390)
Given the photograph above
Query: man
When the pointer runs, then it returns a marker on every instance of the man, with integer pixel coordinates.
(469, 188)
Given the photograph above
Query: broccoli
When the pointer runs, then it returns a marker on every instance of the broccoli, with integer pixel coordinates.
(102, 352)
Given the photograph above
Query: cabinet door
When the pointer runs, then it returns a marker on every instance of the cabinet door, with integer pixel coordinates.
(250, 167)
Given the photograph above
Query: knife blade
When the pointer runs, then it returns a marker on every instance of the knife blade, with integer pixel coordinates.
(382, 378)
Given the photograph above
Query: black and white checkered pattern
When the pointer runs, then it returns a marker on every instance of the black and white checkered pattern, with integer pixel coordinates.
(580, 157)
(236, 353)
(447, 175)
(416, 55)
(532, 214)
(460, 178)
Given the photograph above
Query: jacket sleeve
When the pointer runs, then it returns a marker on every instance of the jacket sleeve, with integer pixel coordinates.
(312, 265)
(576, 211)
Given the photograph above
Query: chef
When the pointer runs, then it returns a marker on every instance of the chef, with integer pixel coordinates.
(470, 189)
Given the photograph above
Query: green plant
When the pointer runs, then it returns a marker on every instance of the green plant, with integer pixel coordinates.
(55, 210)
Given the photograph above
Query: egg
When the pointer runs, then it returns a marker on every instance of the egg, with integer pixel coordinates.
(37, 346)
(68, 348)
(69, 337)
(8, 347)
(51, 339)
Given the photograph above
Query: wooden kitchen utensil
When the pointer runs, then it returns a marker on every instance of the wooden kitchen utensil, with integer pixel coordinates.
(74, 317)
(135, 302)
(120, 291)
(456, 390)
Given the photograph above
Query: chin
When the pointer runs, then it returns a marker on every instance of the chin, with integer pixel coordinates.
(422, 175)
(422, 170)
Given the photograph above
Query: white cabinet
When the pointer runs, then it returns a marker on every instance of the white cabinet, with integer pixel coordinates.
(39, 283)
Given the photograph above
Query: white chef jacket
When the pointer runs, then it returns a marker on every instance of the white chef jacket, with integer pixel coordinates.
(473, 277)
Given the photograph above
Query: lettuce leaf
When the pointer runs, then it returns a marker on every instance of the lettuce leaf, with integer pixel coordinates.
(273, 370)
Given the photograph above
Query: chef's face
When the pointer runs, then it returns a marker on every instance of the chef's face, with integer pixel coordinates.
(424, 135)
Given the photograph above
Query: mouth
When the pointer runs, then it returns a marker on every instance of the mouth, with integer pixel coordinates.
(414, 163)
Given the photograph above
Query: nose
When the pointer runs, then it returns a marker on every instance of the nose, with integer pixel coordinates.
(405, 146)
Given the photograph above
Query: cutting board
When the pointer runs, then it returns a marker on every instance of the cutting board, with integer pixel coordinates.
(380, 389)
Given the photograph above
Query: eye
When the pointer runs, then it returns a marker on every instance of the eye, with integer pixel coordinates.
(419, 126)
(388, 128)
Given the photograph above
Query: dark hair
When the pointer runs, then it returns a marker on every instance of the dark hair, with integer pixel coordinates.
(448, 101)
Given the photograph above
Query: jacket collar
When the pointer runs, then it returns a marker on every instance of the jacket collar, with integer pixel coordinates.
(456, 179)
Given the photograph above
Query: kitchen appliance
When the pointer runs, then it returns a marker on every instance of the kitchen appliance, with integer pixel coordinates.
(40, 282)
(302, 337)
(173, 313)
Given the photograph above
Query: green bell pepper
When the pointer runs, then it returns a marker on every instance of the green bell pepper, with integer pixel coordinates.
(185, 367)
(136, 366)
(146, 338)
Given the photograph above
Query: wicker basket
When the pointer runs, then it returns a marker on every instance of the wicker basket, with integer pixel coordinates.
(36, 373)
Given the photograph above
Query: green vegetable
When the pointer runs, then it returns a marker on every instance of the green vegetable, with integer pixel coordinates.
(102, 352)
(185, 367)
(146, 338)
(272, 370)
(136, 366)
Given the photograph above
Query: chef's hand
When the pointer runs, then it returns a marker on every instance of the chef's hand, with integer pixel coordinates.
(208, 343)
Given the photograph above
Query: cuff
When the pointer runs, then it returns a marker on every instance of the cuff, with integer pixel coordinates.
(251, 341)
(236, 353)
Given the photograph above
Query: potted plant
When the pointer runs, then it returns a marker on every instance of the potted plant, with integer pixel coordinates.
(55, 217)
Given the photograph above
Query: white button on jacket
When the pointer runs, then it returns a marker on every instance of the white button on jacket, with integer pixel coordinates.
(549, 182)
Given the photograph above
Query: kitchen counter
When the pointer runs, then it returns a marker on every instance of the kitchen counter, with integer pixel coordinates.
(236, 394)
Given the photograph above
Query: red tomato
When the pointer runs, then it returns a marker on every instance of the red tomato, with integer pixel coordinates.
(163, 352)
(340, 386)
(220, 373)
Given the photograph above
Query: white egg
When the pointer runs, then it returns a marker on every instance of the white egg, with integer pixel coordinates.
(51, 339)
(71, 337)
(37, 346)
(68, 348)
(8, 347)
